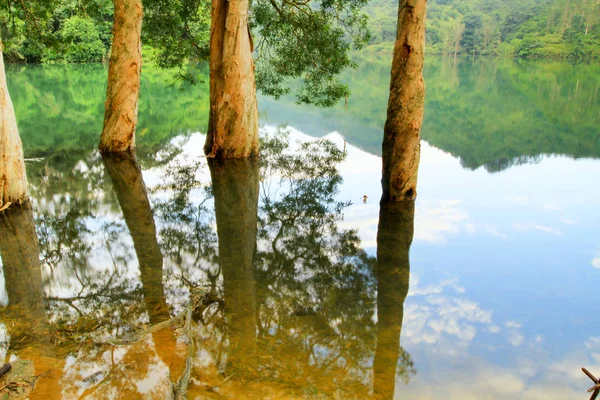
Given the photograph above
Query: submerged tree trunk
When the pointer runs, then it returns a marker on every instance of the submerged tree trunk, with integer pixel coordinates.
(124, 69)
(233, 120)
(394, 237)
(401, 141)
(13, 179)
(235, 186)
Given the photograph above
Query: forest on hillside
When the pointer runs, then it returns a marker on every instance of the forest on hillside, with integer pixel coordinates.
(519, 28)
(79, 31)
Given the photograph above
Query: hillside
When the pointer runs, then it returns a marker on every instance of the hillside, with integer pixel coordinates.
(520, 28)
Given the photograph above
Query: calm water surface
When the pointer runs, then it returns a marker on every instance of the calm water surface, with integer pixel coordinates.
(277, 278)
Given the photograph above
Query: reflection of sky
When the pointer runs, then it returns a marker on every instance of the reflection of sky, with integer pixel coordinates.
(503, 278)
(505, 274)
(505, 271)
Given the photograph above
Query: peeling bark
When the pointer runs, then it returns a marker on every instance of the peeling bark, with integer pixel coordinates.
(233, 120)
(13, 178)
(394, 237)
(124, 70)
(401, 141)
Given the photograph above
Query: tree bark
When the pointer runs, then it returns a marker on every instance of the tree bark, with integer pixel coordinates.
(13, 178)
(394, 237)
(235, 186)
(124, 70)
(401, 141)
(233, 120)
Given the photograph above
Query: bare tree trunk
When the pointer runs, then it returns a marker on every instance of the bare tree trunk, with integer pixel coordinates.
(233, 120)
(235, 186)
(124, 69)
(401, 141)
(13, 178)
(394, 237)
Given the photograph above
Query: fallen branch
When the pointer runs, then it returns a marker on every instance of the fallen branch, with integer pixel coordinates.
(596, 388)
(143, 333)
(184, 381)
(5, 368)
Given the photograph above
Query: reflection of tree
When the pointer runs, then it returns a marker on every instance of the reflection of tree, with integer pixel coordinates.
(22, 272)
(25, 316)
(129, 186)
(310, 321)
(235, 189)
(494, 113)
(289, 296)
(394, 237)
(315, 283)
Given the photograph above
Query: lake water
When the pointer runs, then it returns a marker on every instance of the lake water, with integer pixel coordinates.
(283, 278)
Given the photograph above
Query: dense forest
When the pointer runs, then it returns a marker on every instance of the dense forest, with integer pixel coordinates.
(80, 31)
(520, 28)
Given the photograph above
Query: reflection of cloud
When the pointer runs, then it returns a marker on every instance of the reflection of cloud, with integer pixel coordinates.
(553, 206)
(494, 328)
(437, 288)
(593, 344)
(434, 221)
(596, 262)
(461, 375)
(520, 200)
(515, 339)
(492, 230)
(568, 221)
(527, 227)
(440, 316)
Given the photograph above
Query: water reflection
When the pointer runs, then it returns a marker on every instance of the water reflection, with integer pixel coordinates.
(394, 237)
(27, 324)
(289, 304)
(235, 189)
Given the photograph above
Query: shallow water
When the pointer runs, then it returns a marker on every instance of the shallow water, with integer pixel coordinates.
(279, 280)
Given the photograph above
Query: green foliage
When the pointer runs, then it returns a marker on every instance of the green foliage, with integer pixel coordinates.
(488, 112)
(57, 30)
(60, 108)
(521, 28)
(309, 41)
(80, 42)
(179, 32)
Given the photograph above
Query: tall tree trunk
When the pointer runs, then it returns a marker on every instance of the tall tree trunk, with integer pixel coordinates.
(401, 141)
(13, 179)
(394, 237)
(129, 186)
(233, 120)
(124, 69)
(235, 186)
